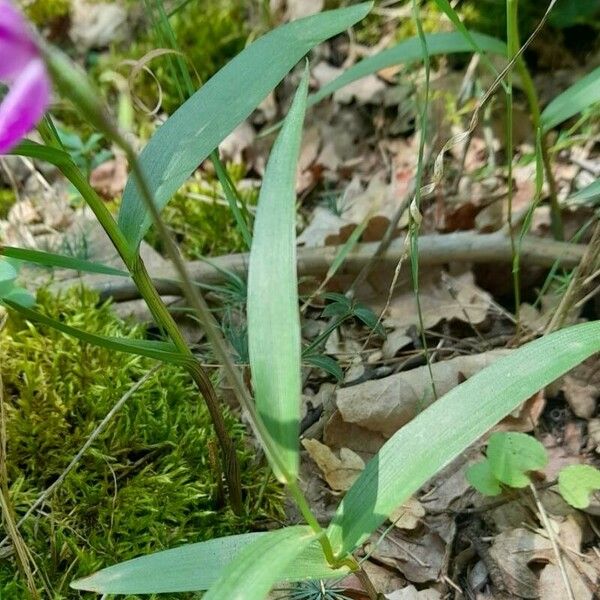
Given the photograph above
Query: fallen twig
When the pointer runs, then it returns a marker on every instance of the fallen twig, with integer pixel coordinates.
(433, 250)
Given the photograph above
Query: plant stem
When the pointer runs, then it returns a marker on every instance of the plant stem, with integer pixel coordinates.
(512, 14)
(161, 314)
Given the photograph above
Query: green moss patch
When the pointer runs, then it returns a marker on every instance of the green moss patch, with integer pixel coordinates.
(146, 484)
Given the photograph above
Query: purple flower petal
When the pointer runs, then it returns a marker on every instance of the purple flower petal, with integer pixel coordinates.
(17, 44)
(24, 105)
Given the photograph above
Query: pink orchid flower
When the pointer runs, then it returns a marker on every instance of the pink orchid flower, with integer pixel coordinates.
(23, 70)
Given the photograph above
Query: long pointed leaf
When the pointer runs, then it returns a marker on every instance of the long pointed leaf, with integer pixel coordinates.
(409, 51)
(195, 567)
(201, 123)
(163, 351)
(273, 318)
(50, 259)
(578, 97)
(450, 425)
(259, 565)
(590, 194)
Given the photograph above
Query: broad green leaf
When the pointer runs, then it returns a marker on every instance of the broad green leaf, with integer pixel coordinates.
(261, 564)
(50, 259)
(222, 103)
(273, 317)
(578, 97)
(577, 482)
(410, 51)
(449, 426)
(327, 363)
(163, 351)
(512, 455)
(20, 296)
(8, 274)
(480, 476)
(195, 567)
(590, 194)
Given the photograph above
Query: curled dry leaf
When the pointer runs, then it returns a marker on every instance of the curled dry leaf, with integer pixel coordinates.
(581, 396)
(384, 405)
(339, 473)
(410, 592)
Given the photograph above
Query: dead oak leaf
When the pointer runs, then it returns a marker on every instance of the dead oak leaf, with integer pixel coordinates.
(339, 473)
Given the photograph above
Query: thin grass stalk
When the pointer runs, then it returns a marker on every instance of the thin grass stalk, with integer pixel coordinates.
(415, 209)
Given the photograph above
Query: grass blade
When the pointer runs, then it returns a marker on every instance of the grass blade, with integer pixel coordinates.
(201, 123)
(195, 567)
(590, 194)
(273, 318)
(578, 97)
(410, 51)
(50, 259)
(450, 425)
(163, 351)
(261, 564)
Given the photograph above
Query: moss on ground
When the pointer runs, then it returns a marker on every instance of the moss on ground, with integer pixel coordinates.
(201, 219)
(7, 199)
(147, 482)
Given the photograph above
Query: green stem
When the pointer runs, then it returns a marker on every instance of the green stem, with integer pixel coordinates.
(324, 335)
(534, 108)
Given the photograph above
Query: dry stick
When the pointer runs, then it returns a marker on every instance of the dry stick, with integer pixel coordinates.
(582, 277)
(94, 435)
(433, 250)
(557, 553)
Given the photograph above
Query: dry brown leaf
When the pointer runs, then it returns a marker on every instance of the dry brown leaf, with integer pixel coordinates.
(443, 297)
(408, 515)
(552, 586)
(581, 396)
(339, 473)
(394, 341)
(418, 556)
(297, 9)
(338, 434)
(109, 178)
(232, 148)
(515, 552)
(526, 417)
(410, 592)
(366, 90)
(384, 405)
(594, 435)
(383, 580)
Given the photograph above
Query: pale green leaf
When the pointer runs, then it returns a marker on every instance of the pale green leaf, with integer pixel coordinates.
(577, 482)
(222, 103)
(512, 455)
(195, 567)
(480, 476)
(261, 564)
(409, 51)
(590, 194)
(572, 101)
(273, 317)
(450, 425)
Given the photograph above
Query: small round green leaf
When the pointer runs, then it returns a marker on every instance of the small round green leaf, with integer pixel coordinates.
(577, 482)
(480, 476)
(512, 455)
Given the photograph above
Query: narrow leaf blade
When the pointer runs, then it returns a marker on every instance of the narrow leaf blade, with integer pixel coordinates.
(410, 51)
(195, 567)
(436, 436)
(259, 565)
(50, 259)
(223, 102)
(273, 318)
(572, 101)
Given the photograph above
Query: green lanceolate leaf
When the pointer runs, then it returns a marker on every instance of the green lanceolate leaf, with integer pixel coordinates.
(273, 317)
(261, 564)
(163, 351)
(572, 101)
(410, 51)
(196, 567)
(223, 102)
(50, 259)
(442, 431)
